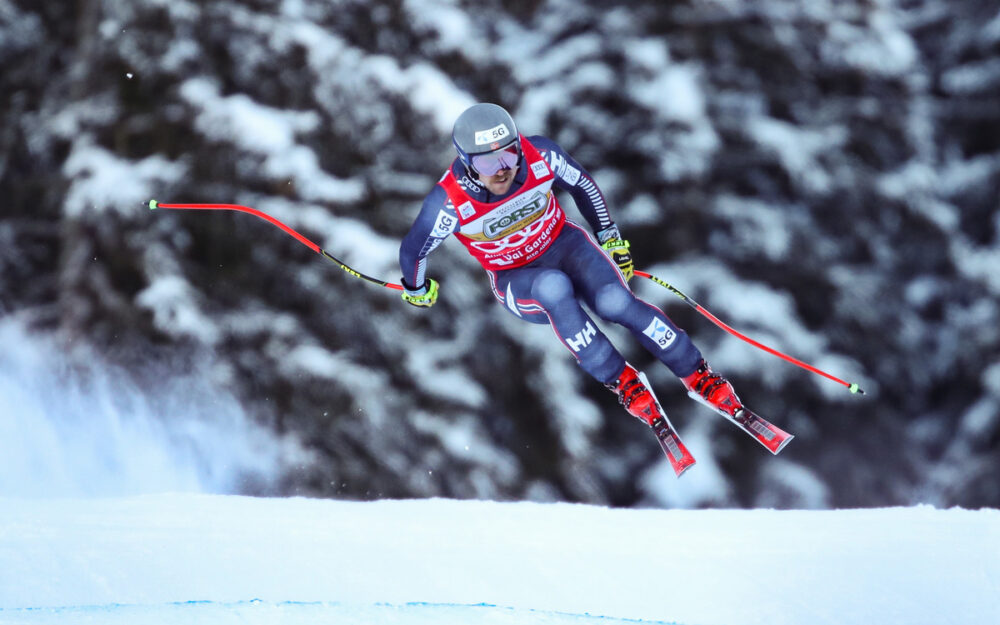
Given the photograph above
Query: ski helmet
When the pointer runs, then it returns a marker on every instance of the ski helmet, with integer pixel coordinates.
(481, 129)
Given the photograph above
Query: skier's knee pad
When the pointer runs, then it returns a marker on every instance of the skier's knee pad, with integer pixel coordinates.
(551, 287)
(612, 302)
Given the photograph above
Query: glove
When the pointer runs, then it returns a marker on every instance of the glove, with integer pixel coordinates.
(424, 297)
(617, 248)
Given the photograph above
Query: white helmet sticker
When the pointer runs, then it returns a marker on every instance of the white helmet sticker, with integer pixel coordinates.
(497, 133)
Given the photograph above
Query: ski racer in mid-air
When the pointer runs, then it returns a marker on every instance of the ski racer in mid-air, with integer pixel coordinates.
(498, 200)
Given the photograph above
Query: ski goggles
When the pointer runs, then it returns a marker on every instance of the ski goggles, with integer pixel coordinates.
(492, 162)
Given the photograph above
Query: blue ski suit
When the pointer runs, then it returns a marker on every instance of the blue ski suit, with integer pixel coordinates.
(572, 268)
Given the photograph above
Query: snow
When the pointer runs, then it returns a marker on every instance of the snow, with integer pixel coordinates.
(270, 133)
(335, 367)
(237, 118)
(431, 92)
(879, 47)
(74, 427)
(650, 54)
(558, 60)
(172, 302)
(798, 149)
(178, 9)
(448, 382)
(114, 509)
(978, 263)
(991, 378)
(345, 68)
(451, 23)
(576, 419)
(759, 226)
(102, 181)
(200, 558)
(973, 78)
(673, 93)
(26, 31)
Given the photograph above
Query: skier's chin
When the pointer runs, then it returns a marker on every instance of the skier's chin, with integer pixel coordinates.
(500, 184)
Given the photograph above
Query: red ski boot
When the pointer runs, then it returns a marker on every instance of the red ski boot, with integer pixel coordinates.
(711, 388)
(634, 393)
(635, 396)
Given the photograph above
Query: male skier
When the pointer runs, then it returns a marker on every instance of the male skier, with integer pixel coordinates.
(497, 199)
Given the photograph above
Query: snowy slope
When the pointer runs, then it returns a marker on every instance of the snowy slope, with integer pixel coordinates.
(222, 559)
(86, 536)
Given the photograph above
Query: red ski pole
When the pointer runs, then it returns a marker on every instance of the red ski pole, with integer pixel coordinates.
(153, 205)
(853, 387)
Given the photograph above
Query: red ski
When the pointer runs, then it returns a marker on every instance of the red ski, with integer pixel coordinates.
(764, 432)
(680, 458)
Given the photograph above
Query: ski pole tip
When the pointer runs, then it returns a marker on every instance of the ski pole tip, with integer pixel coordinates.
(855, 389)
(153, 204)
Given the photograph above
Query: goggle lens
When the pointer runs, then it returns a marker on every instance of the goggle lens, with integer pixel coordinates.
(492, 162)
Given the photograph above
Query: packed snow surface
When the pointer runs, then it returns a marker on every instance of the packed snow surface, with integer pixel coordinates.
(195, 558)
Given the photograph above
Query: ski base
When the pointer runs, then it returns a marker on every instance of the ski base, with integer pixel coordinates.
(680, 458)
(767, 434)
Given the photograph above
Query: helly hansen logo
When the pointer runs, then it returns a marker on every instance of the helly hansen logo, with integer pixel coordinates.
(583, 338)
(661, 334)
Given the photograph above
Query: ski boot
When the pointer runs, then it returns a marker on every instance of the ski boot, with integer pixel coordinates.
(634, 394)
(708, 387)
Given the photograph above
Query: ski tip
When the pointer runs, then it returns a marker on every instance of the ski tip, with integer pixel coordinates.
(152, 204)
(681, 470)
(855, 389)
(783, 444)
